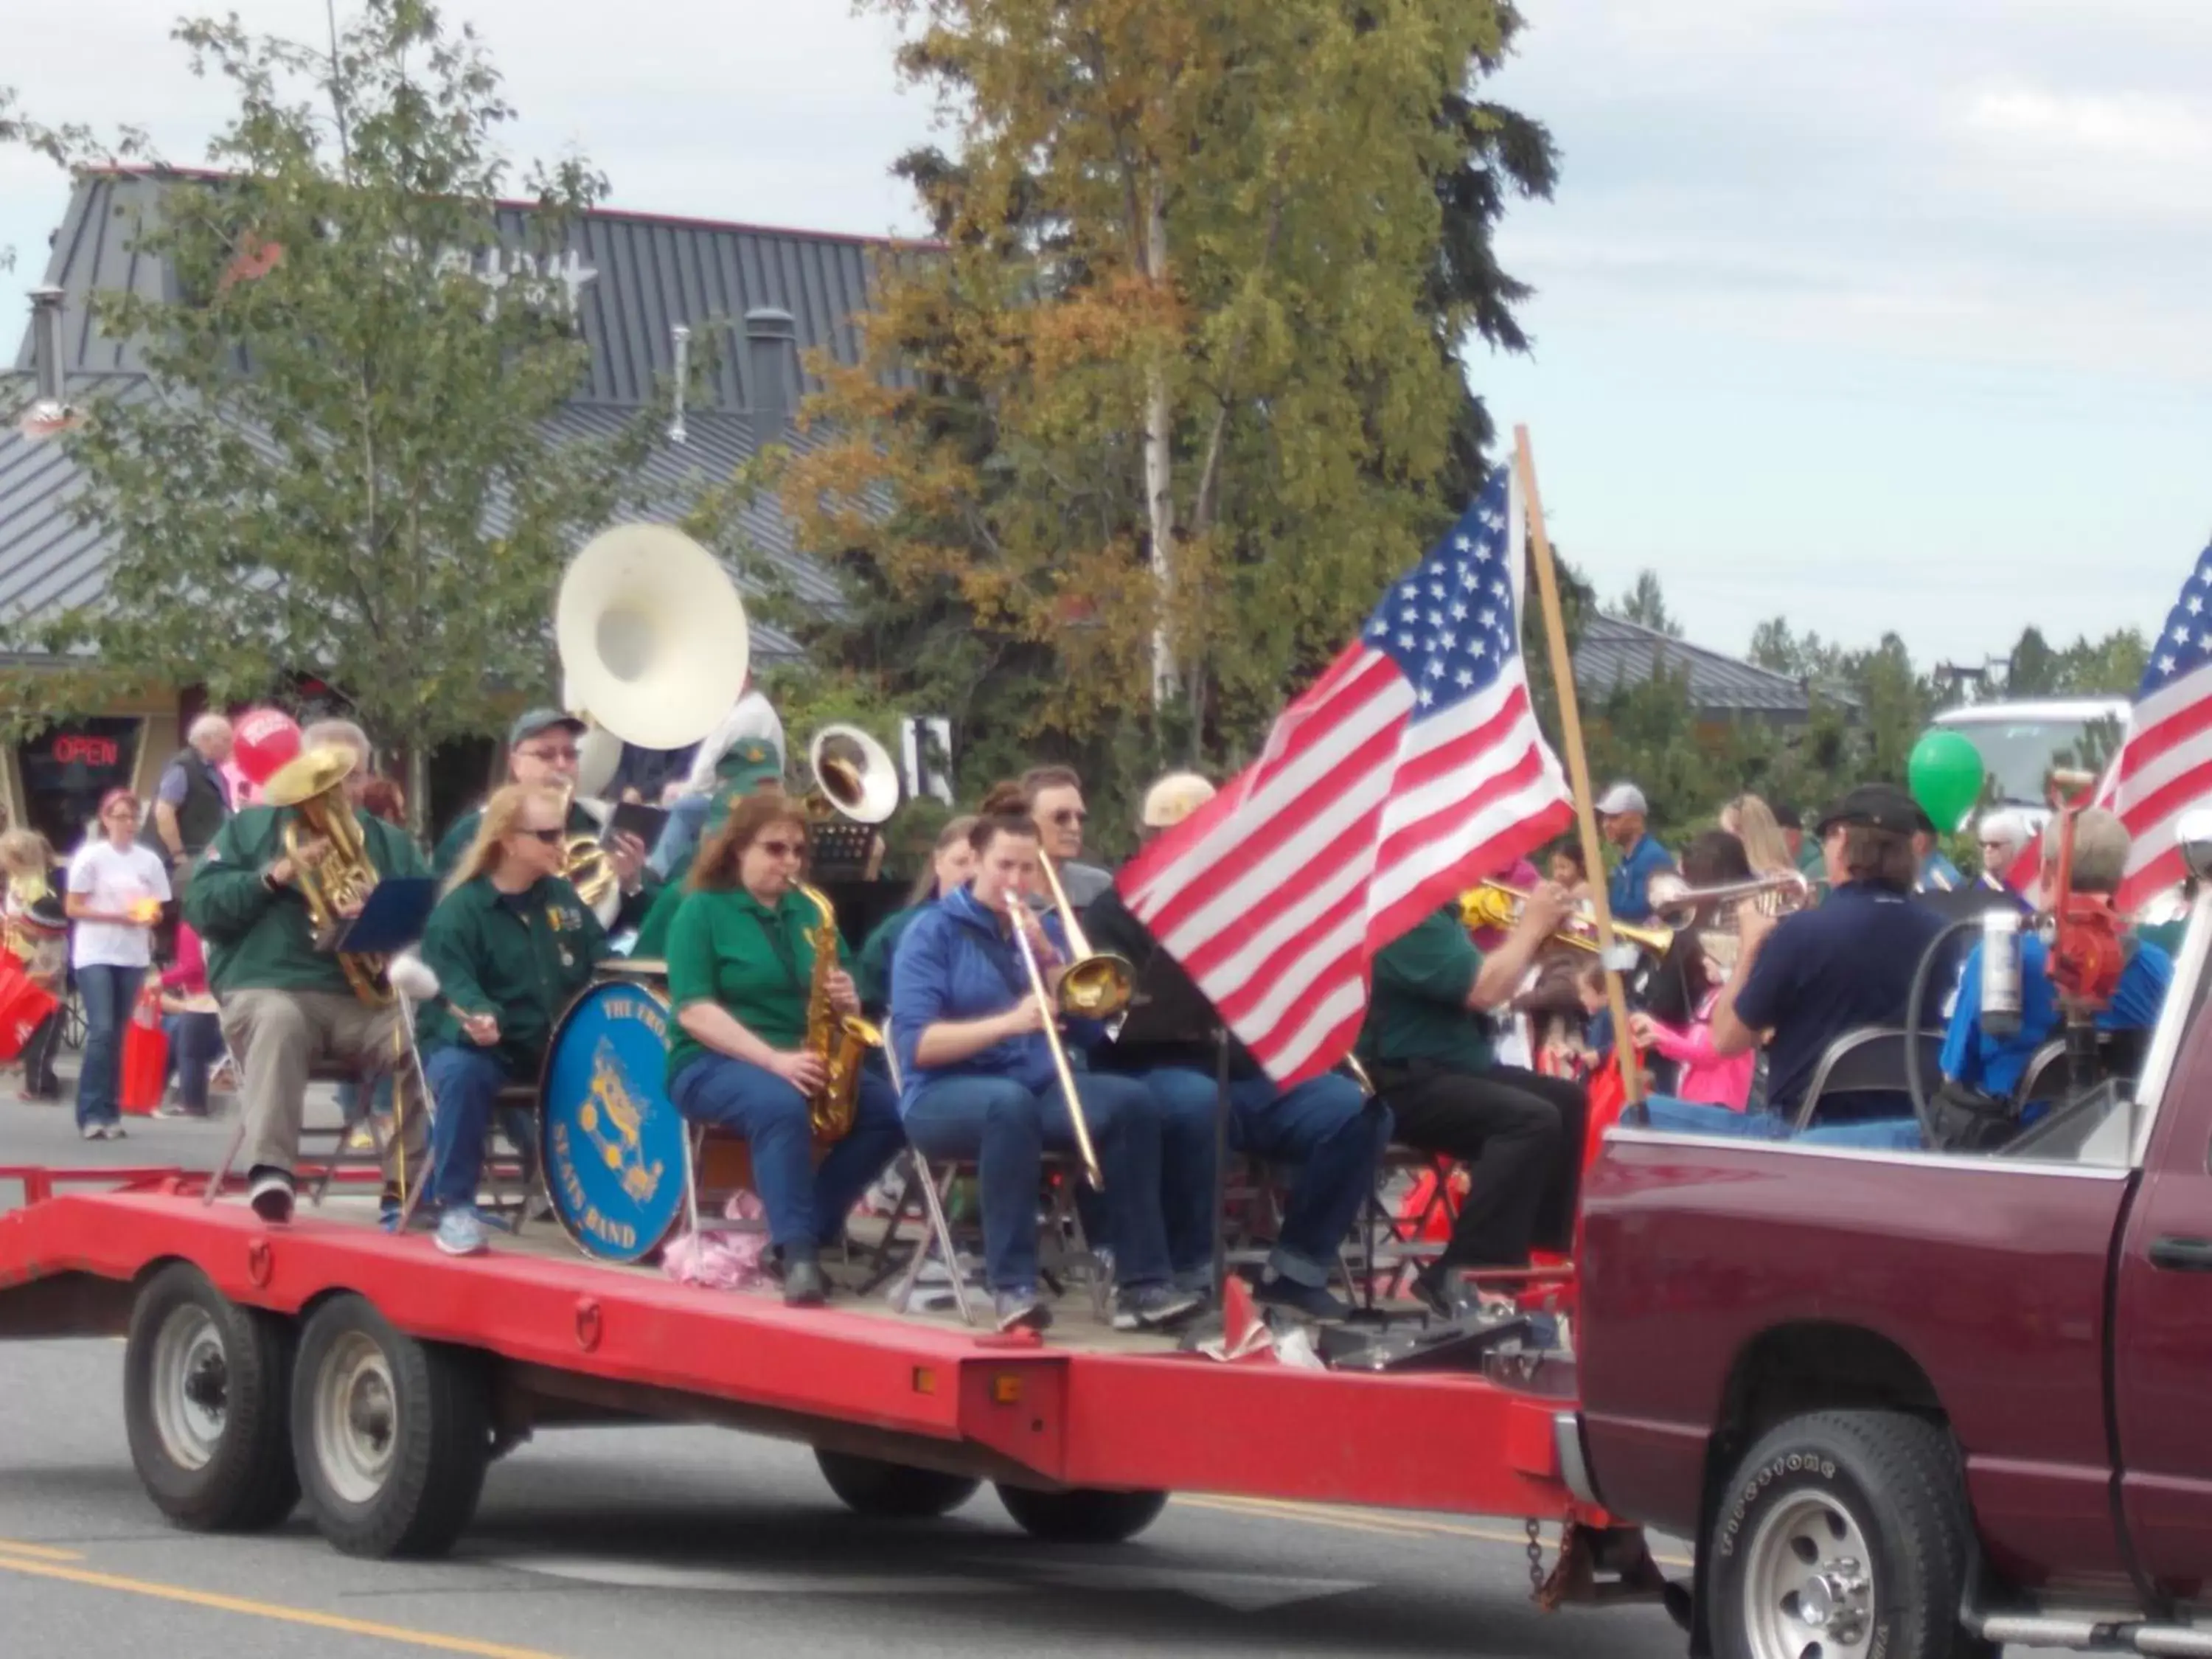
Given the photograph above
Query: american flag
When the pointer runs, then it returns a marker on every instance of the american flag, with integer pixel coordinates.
(1411, 768)
(2165, 766)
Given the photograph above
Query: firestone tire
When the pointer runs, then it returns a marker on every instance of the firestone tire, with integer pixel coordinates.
(893, 1492)
(205, 1387)
(1844, 1529)
(1082, 1514)
(391, 1436)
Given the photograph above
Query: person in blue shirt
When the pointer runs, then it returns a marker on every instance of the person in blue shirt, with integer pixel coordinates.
(1937, 873)
(1621, 811)
(980, 1084)
(1994, 1065)
(1805, 980)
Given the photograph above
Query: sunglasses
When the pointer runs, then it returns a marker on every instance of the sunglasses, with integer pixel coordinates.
(782, 849)
(546, 837)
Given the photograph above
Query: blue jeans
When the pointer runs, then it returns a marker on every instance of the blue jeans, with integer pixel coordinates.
(1689, 1117)
(110, 995)
(195, 1043)
(465, 1083)
(1005, 1127)
(1324, 1125)
(806, 1205)
(680, 834)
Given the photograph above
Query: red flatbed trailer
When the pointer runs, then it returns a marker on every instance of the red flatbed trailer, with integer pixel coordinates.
(1084, 1429)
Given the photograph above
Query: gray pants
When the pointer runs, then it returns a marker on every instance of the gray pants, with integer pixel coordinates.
(279, 1036)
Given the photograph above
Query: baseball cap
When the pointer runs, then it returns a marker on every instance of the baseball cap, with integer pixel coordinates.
(1173, 798)
(1878, 806)
(1622, 798)
(746, 765)
(532, 721)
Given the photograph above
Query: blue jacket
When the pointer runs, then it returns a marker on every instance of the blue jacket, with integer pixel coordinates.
(1994, 1064)
(1628, 893)
(955, 962)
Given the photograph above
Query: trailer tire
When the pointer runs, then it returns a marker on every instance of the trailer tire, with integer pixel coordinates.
(1847, 1526)
(1082, 1514)
(885, 1491)
(206, 1386)
(391, 1436)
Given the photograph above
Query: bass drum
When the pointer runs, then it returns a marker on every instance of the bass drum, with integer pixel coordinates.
(612, 1140)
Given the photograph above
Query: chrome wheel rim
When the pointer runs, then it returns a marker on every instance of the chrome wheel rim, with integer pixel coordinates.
(356, 1418)
(191, 1386)
(1809, 1581)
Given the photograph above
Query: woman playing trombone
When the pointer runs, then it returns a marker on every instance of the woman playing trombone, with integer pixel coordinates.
(983, 1070)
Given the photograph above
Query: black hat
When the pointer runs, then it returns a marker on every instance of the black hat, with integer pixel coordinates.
(45, 912)
(1878, 806)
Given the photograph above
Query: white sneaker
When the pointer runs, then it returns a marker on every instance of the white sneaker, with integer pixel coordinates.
(459, 1233)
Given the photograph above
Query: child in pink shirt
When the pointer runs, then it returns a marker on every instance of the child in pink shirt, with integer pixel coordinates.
(1708, 1079)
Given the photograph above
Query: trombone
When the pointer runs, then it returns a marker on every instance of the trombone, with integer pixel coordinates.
(1092, 1172)
(1097, 984)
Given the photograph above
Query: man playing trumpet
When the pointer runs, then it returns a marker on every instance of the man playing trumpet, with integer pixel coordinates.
(287, 1003)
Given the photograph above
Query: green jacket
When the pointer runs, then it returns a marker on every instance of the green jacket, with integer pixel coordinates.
(652, 932)
(258, 937)
(1418, 1008)
(521, 959)
(757, 964)
(446, 858)
(872, 978)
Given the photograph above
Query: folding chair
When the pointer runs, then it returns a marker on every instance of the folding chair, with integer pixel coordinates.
(508, 1180)
(1066, 1251)
(1869, 1060)
(1391, 1244)
(338, 1155)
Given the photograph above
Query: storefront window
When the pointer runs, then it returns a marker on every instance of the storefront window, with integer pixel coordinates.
(67, 769)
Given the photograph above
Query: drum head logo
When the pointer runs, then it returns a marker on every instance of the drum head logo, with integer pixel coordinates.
(614, 1144)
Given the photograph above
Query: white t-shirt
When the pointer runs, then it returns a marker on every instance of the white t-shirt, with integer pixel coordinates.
(750, 716)
(111, 877)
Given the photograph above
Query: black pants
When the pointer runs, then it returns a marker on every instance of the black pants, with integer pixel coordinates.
(39, 1079)
(1521, 1137)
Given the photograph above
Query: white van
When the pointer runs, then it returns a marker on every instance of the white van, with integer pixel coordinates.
(2019, 743)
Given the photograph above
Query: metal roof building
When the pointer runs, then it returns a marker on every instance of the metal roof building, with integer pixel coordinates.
(759, 296)
(1615, 654)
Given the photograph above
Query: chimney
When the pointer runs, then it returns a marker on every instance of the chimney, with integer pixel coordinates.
(46, 343)
(772, 366)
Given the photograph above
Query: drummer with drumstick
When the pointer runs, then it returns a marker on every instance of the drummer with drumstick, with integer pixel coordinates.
(512, 943)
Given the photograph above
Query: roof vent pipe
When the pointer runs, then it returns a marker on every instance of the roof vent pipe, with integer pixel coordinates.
(46, 341)
(772, 366)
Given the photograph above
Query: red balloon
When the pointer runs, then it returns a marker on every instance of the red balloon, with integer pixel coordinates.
(263, 740)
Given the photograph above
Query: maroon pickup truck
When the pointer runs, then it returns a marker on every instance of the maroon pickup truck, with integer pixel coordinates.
(1922, 1406)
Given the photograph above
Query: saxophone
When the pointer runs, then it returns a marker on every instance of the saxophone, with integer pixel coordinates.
(843, 1041)
(314, 786)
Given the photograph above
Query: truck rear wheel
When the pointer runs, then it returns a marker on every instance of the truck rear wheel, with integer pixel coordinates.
(1082, 1514)
(893, 1492)
(1841, 1534)
(391, 1436)
(204, 1388)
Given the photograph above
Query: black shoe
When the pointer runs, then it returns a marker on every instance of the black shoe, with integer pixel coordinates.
(804, 1285)
(1307, 1301)
(1153, 1306)
(269, 1192)
(1446, 1293)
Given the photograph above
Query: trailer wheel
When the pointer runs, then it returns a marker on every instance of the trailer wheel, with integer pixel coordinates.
(1082, 1514)
(391, 1434)
(892, 1492)
(204, 1388)
(1842, 1534)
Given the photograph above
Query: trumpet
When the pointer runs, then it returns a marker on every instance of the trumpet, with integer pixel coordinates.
(1089, 1154)
(1776, 893)
(1493, 905)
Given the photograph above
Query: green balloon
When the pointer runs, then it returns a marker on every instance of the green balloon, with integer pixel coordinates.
(1944, 772)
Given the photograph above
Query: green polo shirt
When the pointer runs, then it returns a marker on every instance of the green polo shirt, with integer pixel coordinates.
(753, 962)
(873, 976)
(521, 958)
(651, 943)
(445, 857)
(1417, 1009)
(258, 937)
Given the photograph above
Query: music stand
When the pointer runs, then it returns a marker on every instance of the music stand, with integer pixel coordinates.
(841, 850)
(1167, 1010)
(392, 918)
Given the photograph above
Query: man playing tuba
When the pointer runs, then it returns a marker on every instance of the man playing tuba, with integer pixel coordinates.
(287, 1003)
(541, 751)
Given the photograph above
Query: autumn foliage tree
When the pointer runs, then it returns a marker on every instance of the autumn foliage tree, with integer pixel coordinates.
(1178, 392)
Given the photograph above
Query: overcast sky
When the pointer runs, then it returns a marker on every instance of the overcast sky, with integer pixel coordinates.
(1875, 313)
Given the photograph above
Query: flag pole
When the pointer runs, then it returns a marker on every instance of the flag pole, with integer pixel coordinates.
(1570, 738)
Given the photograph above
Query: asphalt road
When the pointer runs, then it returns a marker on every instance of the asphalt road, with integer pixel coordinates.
(680, 1542)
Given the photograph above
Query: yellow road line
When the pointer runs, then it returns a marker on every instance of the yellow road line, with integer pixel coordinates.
(330, 1621)
(1354, 1520)
(44, 1552)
